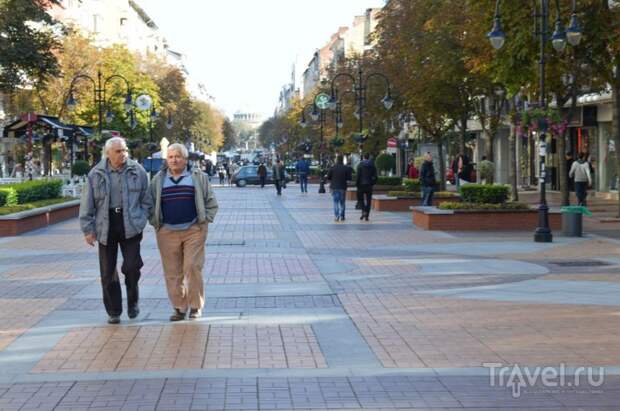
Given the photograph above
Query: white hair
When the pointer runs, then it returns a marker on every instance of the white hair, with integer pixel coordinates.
(179, 148)
(112, 142)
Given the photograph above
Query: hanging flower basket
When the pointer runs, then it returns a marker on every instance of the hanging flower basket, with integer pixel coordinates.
(337, 142)
(544, 120)
(359, 138)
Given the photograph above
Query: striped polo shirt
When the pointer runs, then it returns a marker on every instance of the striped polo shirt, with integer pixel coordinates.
(178, 204)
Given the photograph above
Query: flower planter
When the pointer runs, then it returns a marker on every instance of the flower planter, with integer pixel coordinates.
(388, 203)
(18, 223)
(431, 218)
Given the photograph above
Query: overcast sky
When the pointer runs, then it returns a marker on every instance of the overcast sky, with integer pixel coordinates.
(243, 50)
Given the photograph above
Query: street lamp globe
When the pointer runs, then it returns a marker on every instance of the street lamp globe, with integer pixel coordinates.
(388, 101)
(558, 38)
(496, 35)
(573, 33)
(169, 122)
(153, 114)
(128, 102)
(109, 117)
(71, 102)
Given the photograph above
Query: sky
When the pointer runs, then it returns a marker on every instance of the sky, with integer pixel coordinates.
(243, 50)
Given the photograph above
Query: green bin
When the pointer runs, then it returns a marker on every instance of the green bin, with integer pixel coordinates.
(572, 220)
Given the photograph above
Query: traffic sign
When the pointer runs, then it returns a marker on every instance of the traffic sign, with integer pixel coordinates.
(392, 142)
(322, 101)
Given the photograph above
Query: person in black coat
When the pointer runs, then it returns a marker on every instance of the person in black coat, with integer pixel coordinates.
(427, 179)
(366, 178)
(338, 175)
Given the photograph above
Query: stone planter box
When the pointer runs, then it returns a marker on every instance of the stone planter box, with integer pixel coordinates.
(352, 191)
(18, 223)
(431, 218)
(387, 203)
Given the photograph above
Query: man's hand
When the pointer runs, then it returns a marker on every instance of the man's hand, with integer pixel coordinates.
(90, 239)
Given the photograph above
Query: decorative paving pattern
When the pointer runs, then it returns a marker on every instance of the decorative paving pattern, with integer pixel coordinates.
(17, 316)
(344, 239)
(318, 394)
(183, 346)
(236, 303)
(52, 271)
(415, 331)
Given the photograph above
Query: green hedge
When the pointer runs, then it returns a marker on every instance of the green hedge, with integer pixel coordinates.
(29, 191)
(6, 210)
(385, 162)
(484, 193)
(389, 181)
(412, 184)
(483, 206)
(80, 168)
(413, 194)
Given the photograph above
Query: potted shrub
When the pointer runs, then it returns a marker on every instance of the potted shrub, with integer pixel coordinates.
(385, 163)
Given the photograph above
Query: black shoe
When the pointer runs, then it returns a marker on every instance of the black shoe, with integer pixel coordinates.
(362, 217)
(366, 217)
(133, 311)
(178, 315)
(195, 313)
(114, 319)
(342, 218)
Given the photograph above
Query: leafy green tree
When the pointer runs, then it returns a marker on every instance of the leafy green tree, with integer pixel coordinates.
(229, 135)
(27, 45)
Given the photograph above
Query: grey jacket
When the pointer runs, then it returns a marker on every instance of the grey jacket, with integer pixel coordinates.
(206, 204)
(95, 203)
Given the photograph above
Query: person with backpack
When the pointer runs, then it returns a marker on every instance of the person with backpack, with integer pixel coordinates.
(262, 174)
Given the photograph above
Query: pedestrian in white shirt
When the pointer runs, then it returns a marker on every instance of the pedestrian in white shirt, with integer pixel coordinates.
(580, 171)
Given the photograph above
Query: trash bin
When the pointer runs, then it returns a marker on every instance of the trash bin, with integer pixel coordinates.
(572, 220)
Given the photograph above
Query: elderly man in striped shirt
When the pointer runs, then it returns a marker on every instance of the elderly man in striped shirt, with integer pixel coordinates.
(184, 206)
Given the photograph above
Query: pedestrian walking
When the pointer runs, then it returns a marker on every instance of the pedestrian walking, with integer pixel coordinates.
(114, 208)
(412, 170)
(580, 171)
(366, 178)
(427, 178)
(262, 174)
(184, 206)
(279, 176)
(338, 175)
(303, 169)
(221, 173)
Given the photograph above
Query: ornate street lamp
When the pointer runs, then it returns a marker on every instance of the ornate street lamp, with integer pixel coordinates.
(99, 94)
(317, 114)
(558, 39)
(360, 87)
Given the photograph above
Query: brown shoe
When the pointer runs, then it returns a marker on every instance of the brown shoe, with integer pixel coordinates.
(195, 313)
(178, 315)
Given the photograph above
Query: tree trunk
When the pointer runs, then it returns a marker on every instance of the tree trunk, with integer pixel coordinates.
(488, 145)
(512, 163)
(463, 133)
(442, 166)
(615, 124)
(561, 150)
(531, 158)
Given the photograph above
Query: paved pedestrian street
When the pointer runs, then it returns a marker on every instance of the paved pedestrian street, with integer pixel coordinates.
(303, 313)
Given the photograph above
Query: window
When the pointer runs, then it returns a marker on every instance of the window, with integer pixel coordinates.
(96, 23)
(123, 21)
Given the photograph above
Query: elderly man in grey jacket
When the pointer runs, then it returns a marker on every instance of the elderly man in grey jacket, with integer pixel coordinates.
(114, 210)
(184, 206)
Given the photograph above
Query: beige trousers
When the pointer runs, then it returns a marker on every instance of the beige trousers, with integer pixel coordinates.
(183, 257)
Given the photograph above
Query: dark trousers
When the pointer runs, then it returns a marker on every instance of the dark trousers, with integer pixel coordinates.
(263, 180)
(278, 184)
(365, 197)
(303, 182)
(581, 191)
(427, 195)
(132, 262)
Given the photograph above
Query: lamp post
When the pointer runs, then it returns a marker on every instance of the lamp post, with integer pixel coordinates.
(559, 38)
(318, 114)
(99, 95)
(360, 88)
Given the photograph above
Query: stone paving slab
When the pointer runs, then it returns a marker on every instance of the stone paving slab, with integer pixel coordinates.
(306, 314)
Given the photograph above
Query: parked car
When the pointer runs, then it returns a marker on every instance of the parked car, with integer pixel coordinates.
(249, 175)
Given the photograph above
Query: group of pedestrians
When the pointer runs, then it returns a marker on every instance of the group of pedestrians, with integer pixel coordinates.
(365, 178)
(117, 201)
